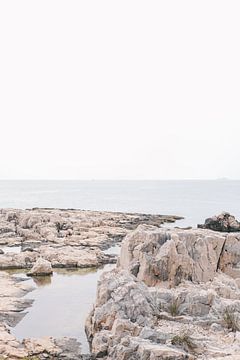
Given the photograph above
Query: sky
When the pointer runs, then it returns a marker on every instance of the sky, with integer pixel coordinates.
(126, 89)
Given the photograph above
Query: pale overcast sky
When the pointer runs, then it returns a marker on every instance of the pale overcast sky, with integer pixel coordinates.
(125, 89)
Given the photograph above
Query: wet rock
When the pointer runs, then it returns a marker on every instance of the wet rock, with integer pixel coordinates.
(223, 223)
(42, 267)
(30, 245)
(70, 257)
(23, 260)
(58, 256)
(27, 248)
(1, 252)
(13, 318)
(50, 348)
(12, 303)
(6, 229)
(10, 348)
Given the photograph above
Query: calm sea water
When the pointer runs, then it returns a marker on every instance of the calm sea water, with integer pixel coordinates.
(195, 200)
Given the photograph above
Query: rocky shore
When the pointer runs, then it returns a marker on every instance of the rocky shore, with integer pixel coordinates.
(66, 238)
(43, 239)
(174, 295)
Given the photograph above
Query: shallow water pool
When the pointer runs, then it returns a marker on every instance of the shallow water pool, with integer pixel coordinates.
(10, 249)
(113, 250)
(61, 305)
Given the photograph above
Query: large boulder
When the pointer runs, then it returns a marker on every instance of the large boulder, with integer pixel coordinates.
(42, 267)
(223, 222)
(158, 256)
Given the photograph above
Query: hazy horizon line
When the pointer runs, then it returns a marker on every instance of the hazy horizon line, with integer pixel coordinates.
(133, 179)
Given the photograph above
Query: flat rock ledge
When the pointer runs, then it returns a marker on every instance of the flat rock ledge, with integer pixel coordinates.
(66, 238)
(175, 295)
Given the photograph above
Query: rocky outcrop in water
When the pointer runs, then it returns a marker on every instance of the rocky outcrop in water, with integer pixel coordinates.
(174, 295)
(41, 268)
(223, 222)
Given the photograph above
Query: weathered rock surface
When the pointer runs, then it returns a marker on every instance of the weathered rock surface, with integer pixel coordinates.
(174, 295)
(155, 256)
(223, 222)
(11, 303)
(49, 348)
(42, 239)
(66, 238)
(59, 256)
(42, 267)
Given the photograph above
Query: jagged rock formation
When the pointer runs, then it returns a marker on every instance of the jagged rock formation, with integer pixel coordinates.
(223, 222)
(155, 256)
(174, 295)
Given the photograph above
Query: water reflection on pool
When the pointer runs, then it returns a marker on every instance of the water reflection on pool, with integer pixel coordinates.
(61, 304)
(10, 249)
(113, 250)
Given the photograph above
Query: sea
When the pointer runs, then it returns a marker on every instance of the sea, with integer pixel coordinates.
(195, 200)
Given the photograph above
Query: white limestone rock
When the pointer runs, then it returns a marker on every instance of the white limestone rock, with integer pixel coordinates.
(42, 267)
(169, 256)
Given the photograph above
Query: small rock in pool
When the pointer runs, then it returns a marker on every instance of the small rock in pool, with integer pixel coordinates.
(27, 249)
(40, 268)
(1, 252)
